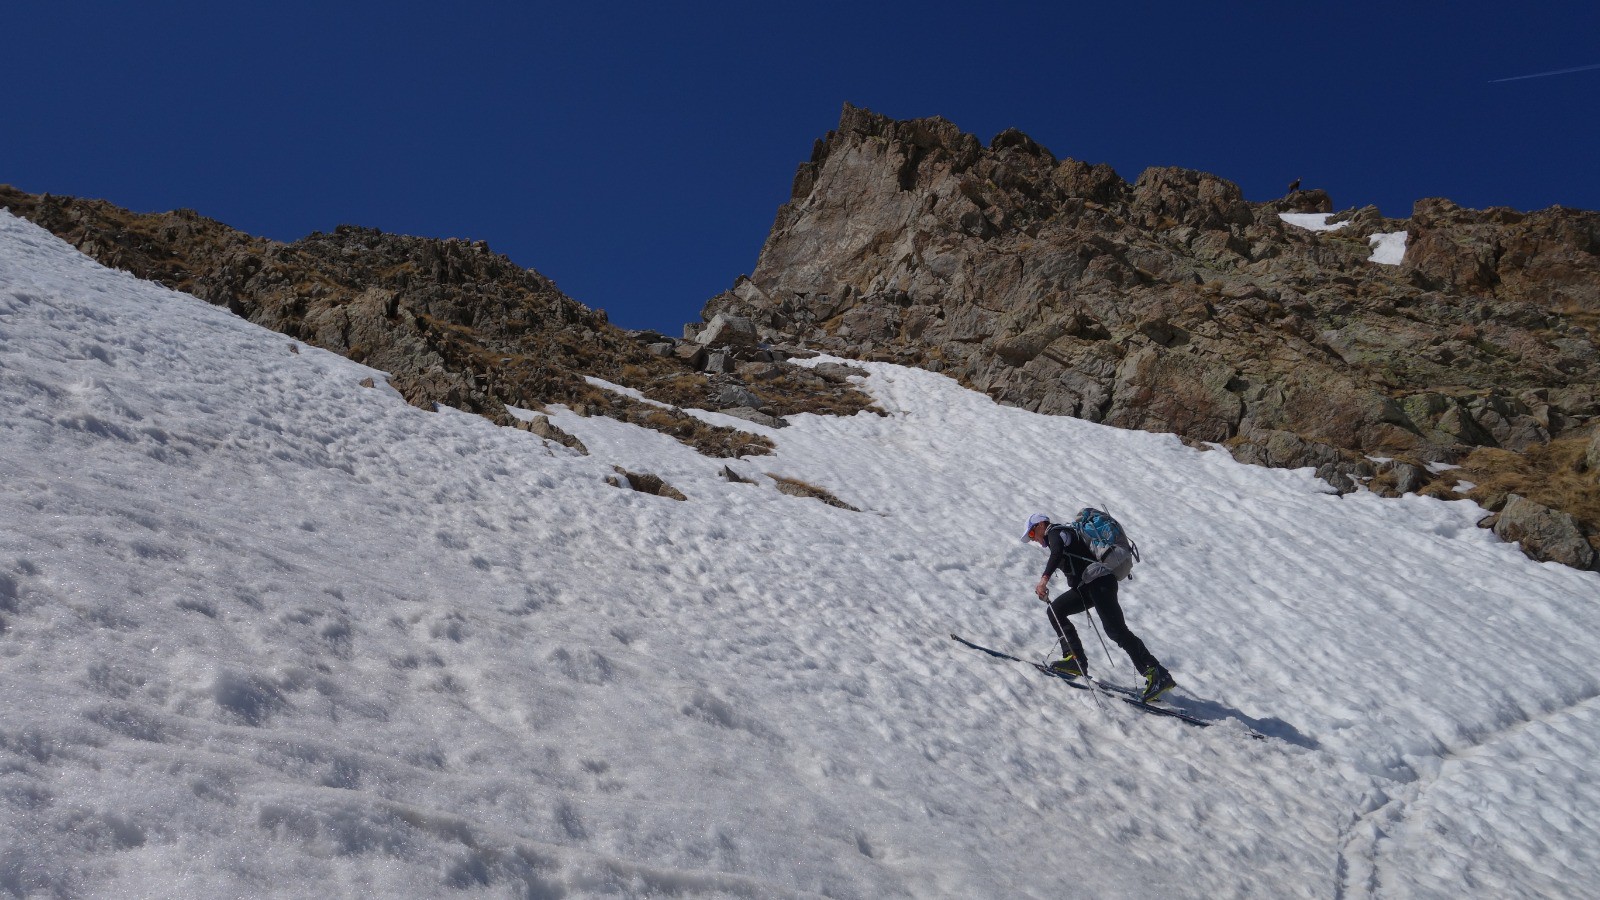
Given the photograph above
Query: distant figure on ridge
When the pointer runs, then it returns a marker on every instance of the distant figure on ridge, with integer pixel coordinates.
(1294, 185)
(1094, 553)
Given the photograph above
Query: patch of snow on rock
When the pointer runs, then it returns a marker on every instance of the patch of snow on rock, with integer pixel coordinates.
(1312, 221)
(1388, 249)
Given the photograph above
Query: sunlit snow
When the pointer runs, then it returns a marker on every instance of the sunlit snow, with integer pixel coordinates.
(268, 632)
(1312, 221)
(1388, 249)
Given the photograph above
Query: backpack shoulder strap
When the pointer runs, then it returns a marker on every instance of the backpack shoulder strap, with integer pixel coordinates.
(1059, 526)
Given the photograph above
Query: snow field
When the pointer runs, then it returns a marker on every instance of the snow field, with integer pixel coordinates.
(270, 633)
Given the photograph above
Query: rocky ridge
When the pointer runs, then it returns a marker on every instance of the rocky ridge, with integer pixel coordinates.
(1173, 304)
(454, 323)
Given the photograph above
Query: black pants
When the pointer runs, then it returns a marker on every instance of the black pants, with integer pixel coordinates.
(1101, 594)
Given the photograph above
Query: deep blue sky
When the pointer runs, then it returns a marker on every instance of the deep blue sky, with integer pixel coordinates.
(636, 153)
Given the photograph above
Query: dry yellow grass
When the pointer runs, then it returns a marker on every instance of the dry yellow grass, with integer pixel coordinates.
(1551, 474)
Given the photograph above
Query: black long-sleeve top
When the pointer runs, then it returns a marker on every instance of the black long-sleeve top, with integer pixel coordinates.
(1069, 553)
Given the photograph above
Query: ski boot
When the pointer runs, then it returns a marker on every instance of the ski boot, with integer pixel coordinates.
(1157, 681)
(1069, 666)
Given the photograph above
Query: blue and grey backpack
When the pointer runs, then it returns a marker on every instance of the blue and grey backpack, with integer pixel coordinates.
(1107, 540)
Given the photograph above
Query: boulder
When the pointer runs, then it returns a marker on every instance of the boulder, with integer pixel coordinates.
(728, 331)
(691, 354)
(761, 371)
(838, 373)
(1458, 422)
(1544, 533)
(1336, 476)
(1509, 422)
(720, 362)
(731, 396)
(1407, 477)
(542, 427)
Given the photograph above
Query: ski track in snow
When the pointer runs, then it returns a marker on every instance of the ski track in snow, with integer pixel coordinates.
(1543, 838)
(266, 632)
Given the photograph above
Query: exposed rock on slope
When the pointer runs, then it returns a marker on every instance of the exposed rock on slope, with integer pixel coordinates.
(1173, 304)
(454, 323)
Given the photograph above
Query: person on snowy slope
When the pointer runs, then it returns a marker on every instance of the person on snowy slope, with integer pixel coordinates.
(1090, 585)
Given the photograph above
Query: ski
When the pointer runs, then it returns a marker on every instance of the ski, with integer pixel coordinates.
(1117, 691)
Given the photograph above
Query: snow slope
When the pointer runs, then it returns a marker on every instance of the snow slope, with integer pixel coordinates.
(272, 633)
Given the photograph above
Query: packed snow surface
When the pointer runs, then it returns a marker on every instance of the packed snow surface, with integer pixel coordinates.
(1312, 221)
(268, 632)
(1388, 249)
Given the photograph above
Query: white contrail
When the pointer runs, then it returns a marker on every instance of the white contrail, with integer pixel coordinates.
(1546, 74)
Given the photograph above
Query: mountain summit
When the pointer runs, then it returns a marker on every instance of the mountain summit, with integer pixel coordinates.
(1379, 351)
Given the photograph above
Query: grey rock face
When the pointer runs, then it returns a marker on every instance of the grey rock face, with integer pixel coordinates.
(1544, 533)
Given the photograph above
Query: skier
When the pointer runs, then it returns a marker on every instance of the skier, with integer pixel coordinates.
(1091, 584)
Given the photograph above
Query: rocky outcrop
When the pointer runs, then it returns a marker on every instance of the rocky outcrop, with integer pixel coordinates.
(1174, 304)
(794, 487)
(452, 322)
(1544, 533)
(543, 427)
(644, 483)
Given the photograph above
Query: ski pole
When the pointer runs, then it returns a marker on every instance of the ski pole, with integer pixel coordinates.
(1110, 663)
(1094, 689)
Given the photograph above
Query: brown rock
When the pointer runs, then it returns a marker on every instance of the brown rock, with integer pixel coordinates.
(1178, 391)
(645, 483)
(542, 426)
(1176, 305)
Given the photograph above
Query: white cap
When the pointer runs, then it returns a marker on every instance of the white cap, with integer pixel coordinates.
(1033, 520)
